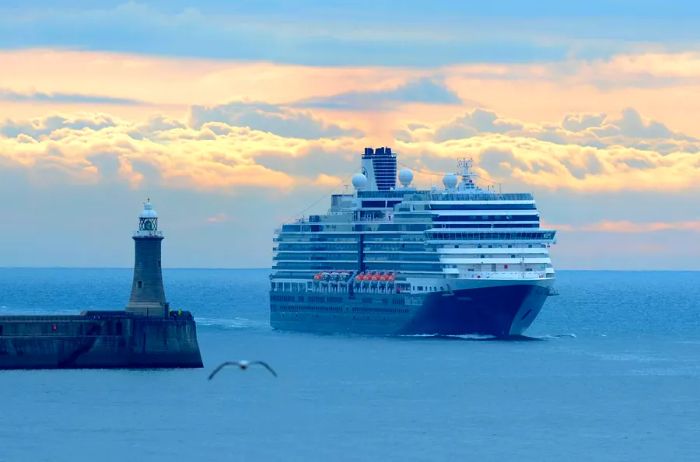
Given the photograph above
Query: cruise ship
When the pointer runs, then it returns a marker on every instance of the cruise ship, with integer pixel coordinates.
(392, 259)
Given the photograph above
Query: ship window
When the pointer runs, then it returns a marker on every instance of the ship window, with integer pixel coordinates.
(119, 328)
(139, 284)
(0, 330)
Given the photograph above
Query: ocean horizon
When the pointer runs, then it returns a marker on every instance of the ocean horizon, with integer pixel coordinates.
(255, 268)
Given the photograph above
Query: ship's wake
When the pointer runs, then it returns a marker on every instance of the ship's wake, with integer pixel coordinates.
(485, 338)
(232, 323)
(554, 336)
(471, 337)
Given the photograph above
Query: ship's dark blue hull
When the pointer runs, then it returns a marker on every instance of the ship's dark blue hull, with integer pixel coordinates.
(503, 310)
(499, 311)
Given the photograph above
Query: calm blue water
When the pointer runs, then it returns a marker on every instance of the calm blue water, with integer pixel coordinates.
(614, 374)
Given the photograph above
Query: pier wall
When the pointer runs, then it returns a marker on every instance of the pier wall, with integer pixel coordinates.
(114, 339)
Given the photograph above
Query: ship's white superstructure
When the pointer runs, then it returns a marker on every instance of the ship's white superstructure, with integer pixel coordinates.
(407, 246)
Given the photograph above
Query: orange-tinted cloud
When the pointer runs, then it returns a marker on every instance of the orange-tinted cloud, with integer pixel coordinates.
(657, 84)
(218, 155)
(626, 226)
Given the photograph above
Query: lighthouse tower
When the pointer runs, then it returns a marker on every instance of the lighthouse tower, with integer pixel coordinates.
(147, 293)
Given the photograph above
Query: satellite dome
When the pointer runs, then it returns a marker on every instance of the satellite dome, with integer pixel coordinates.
(359, 181)
(405, 177)
(148, 211)
(450, 181)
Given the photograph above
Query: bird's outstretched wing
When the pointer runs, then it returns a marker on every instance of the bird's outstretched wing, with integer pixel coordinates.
(266, 366)
(221, 366)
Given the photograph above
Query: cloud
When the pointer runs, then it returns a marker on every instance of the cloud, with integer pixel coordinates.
(335, 160)
(328, 181)
(424, 90)
(609, 154)
(579, 122)
(45, 126)
(349, 33)
(218, 218)
(477, 121)
(171, 86)
(218, 150)
(630, 124)
(167, 152)
(649, 227)
(271, 118)
(70, 98)
(629, 129)
(336, 34)
(626, 226)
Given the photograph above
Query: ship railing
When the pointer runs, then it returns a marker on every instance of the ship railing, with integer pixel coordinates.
(375, 287)
(529, 275)
(375, 290)
(373, 220)
(484, 196)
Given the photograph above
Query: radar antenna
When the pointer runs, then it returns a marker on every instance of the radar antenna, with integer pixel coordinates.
(466, 173)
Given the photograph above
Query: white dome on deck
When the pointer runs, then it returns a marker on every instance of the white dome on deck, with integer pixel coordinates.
(450, 181)
(359, 181)
(405, 177)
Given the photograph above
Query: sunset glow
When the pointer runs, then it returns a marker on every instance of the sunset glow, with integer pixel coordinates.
(602, 134)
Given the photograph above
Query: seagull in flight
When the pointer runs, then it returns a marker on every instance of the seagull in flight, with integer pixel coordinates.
(243, 365)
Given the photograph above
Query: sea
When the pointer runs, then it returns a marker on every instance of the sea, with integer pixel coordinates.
(609, 371)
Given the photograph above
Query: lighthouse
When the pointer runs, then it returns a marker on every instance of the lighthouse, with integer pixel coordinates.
(147, 293)
(145, 335)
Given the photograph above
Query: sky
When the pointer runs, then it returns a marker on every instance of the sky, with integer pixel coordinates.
(234, 117)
